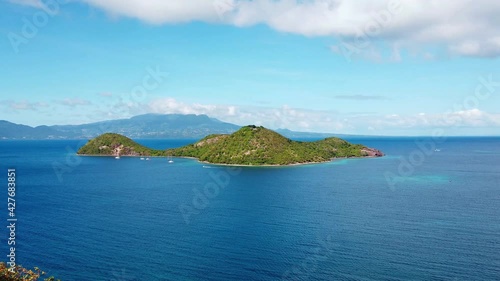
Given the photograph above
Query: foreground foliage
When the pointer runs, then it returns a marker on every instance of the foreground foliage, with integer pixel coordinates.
(21, 273)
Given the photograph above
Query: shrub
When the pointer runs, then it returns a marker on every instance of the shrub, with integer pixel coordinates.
(22, 274)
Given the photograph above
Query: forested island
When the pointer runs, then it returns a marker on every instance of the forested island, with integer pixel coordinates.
(250, 145)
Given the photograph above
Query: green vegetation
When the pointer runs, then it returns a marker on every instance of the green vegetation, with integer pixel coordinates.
(117, 145)
(22, 274)
(250, 145)
(253, 145)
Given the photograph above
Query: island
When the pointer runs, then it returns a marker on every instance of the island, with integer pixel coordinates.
(250, 145)
(110, 144)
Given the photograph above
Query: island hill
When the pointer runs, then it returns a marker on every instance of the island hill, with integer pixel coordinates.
(250, 145)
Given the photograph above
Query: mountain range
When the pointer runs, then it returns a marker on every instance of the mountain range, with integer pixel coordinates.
(138, 127)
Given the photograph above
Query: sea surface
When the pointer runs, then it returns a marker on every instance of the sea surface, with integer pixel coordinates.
(429, 210)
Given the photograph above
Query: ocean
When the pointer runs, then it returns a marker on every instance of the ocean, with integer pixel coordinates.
(427, 211)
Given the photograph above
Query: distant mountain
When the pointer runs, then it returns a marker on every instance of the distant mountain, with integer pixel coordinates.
(138, 127)
(10, 130)
(142, 126)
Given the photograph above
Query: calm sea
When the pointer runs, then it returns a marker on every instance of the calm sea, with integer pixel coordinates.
(428, 211)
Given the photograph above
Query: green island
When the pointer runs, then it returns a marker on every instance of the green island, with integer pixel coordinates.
(111, 144)
(250, 145)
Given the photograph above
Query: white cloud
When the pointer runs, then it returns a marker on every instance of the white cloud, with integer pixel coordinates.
(24, 105)
(105, 94)
(73, 102)
(160, 11)
(464, 118)
(462, 27)
(298, 119)
(284, 117)
(333, 122)
(31, 3)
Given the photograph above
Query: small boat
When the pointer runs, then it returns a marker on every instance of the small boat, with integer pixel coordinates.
(170, 160)
(142, 158)
(437, 150)
(117, 157)
(147, 159)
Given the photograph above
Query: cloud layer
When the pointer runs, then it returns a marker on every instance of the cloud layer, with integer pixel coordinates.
(461, 27)
(330, 121)
(465, 121)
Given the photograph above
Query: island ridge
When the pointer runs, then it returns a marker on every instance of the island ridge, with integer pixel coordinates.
(250, 145)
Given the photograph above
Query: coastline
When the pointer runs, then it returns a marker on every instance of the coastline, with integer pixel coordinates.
(233, 165)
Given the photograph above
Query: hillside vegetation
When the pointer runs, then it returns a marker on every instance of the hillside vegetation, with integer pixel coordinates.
(253, 145)
(250, 145)
(111, 144)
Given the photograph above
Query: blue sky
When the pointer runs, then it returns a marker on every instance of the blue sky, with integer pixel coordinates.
(365, 67)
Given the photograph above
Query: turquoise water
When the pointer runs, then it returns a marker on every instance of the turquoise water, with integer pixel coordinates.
(97, 218)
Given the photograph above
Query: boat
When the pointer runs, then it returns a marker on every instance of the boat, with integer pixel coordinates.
(142, 158)
(437, 150)
(170, 159)
(147, 159)
(117, 157)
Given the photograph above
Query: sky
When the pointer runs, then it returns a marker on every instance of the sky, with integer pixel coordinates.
(402, 68)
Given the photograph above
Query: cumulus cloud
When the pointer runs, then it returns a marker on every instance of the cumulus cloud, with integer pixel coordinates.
(106, 94)
(456, 119)
(160, 11)
(31, 3)
(24, 105)
(283, 117)
(329, 121)
(74, 102)
(359, 97)
(462, 27)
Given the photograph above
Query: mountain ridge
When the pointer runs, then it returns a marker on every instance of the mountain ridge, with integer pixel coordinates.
(255, 145)
(141, 126)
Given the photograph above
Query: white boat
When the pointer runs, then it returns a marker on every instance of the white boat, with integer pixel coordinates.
(142, 158)
(147, 159)
(170, 159)
(117, 157)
